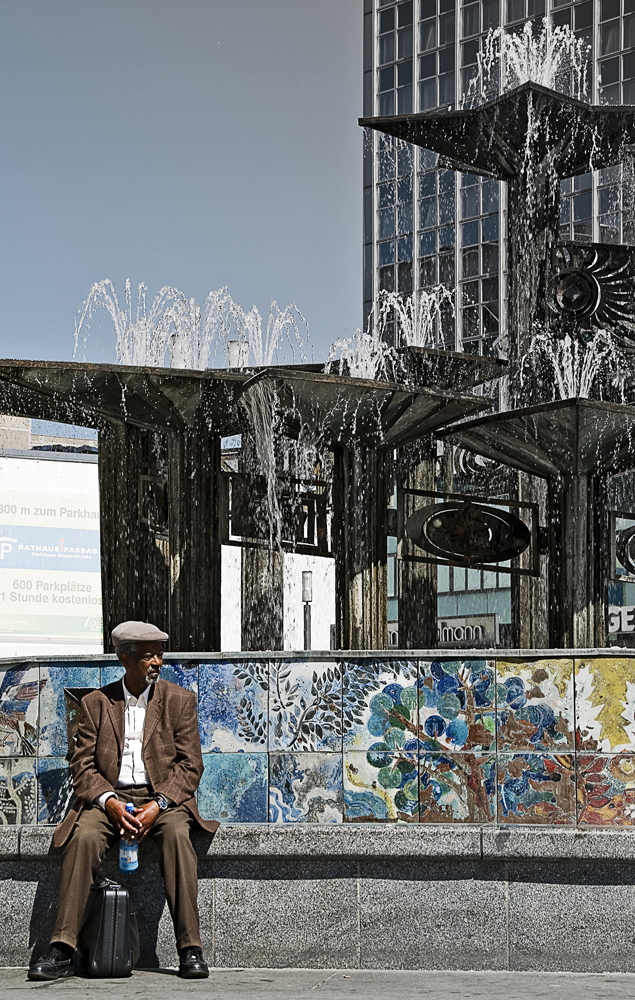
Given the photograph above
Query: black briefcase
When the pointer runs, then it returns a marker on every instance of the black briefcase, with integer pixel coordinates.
(108, 940)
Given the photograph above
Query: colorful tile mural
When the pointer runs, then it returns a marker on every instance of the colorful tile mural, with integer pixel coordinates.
(18, 791)
(55, 789)
(359, 740)
(305, 788)
(534, 705)
(61, 690)
(536, 788)
(19, 710)
(457, 788)
(379, 702)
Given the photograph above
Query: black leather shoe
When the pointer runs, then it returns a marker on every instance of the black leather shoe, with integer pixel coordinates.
(192, 965)
(56, 964)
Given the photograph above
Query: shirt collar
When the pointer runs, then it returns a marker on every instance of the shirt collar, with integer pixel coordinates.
(141, 701)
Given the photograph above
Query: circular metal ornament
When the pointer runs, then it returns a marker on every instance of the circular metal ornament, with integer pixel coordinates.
(461, 531)
(575, 291)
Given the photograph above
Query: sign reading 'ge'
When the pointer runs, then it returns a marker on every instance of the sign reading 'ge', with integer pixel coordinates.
(621, 619)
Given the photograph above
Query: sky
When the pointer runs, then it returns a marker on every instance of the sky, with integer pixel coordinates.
(193, 143)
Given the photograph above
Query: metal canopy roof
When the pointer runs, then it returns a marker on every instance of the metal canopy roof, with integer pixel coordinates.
(380, 414)
(492, 138)
(568, 437)
(437, 369)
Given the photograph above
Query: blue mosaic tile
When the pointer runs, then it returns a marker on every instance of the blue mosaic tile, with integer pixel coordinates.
(305, 706)
(19, 710)
(456, 705)
(537, 788)
(18, 791)
(379, 702)
(457, 787)
(534, 704)
(183, 674)
(62, 689)
(54, 789)
(381, 786)
(305, 788)
(233, 788)
(232, 712)
(110, 672)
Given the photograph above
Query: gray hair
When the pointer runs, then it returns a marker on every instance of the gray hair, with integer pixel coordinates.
(127, 648)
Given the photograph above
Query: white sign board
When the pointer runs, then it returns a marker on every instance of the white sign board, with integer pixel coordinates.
(468, 631)
(50, 580)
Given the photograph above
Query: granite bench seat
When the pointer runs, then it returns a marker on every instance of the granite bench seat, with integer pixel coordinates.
(366, 896)
(365, 841)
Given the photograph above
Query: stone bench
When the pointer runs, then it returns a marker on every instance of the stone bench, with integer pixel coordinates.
(369, 896)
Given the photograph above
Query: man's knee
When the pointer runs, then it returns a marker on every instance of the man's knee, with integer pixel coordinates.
(175, 835)
(88, 836)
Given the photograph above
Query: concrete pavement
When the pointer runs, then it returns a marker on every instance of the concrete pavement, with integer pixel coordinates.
(289, 984)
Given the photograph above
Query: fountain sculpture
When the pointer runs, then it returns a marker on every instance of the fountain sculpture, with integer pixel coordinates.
(532, 137)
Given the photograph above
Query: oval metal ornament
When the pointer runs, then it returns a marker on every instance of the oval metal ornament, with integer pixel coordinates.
(468, 533)
(625, 549)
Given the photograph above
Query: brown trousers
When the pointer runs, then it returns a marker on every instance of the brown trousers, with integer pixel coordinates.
(83, 853)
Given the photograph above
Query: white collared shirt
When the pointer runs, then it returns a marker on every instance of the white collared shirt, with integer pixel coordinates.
(132, 770)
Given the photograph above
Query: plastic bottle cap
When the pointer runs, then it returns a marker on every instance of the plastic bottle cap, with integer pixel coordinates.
(130, 807)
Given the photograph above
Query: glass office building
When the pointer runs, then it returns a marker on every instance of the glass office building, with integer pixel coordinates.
(424, 225)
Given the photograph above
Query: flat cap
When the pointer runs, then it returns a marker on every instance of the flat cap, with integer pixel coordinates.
(137, 632)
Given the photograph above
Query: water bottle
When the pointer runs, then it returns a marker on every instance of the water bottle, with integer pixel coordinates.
(128, 849)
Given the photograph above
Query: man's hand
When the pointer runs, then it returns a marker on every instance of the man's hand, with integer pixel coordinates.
(146, 816)
(133, 826)
(125, 823)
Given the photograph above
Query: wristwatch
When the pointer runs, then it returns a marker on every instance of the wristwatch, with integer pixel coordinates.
(161, 801)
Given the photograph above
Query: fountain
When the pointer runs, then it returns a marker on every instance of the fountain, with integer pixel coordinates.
(532, 136)
(164, 499)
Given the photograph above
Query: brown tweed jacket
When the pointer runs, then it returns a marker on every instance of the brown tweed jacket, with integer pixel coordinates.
(171, 750)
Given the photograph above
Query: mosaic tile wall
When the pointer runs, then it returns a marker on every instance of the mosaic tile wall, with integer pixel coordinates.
(547, 741)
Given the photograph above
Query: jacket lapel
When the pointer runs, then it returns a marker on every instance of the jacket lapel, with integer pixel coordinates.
(153, 713)
(117, 713)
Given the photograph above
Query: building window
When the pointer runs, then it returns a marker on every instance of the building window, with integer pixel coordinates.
(576, 209)
(395, 216)
(437, 54)
(480, 292)
(457, 580)
(395, 59)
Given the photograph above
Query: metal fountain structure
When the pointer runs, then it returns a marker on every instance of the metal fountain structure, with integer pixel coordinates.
(566, 451)
(165, 499)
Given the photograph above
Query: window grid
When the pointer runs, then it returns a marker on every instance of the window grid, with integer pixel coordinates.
(457, 580)
(395, 59)
(437, 54)
(480, 264)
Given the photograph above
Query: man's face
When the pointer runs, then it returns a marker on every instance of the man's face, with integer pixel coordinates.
(144, 665)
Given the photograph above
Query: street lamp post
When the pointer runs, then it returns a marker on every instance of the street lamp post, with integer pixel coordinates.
(307, 597)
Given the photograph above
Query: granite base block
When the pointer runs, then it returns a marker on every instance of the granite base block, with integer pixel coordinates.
(283, 913)
(571, 917)
(432, 915)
